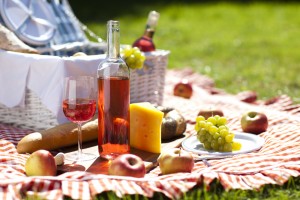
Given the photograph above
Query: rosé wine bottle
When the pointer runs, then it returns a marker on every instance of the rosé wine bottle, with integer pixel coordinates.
(113, 99)
(145, 43)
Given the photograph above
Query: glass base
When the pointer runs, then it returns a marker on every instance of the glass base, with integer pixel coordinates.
(83, 157)
(110, 156)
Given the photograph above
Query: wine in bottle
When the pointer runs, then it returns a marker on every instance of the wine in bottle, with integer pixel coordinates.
(113, 99)
(145, 43)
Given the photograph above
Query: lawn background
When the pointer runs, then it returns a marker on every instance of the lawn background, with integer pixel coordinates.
(241, 45)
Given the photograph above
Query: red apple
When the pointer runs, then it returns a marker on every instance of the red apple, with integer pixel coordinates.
(40, 163)
(127, 165)
(183, 89)
(247, 96)
(206, 113)
(254, 122)
(175, 160)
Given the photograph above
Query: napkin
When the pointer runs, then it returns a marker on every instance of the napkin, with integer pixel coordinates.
(13, 75)
(42, 74)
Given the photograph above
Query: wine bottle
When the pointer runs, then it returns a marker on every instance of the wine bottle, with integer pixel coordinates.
(145, 43)
(113, 98)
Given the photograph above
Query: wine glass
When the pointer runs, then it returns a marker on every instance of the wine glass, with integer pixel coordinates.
(79, 106)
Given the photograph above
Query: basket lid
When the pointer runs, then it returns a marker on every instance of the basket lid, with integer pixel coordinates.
(31, 20)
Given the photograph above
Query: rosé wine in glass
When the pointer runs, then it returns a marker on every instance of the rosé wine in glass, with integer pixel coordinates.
(79, 106)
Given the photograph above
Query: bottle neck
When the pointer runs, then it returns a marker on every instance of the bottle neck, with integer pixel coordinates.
(149, 33)
(113, 39)
(151, 24)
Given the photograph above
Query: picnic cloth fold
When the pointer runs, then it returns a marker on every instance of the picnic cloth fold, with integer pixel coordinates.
(274, 163)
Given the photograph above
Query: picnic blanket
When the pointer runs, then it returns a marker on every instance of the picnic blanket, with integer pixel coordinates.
(274, 163)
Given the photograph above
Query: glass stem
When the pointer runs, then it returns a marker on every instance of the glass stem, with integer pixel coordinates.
(79, 140)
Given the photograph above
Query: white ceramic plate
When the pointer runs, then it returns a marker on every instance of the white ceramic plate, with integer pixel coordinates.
(249, 143)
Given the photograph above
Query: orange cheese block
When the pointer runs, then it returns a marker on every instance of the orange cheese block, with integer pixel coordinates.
(145, 127)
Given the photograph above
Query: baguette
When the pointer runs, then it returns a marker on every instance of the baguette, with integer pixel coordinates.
(57, 137)
(10, 42)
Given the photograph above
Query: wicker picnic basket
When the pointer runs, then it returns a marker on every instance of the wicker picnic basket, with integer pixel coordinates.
(146, 84)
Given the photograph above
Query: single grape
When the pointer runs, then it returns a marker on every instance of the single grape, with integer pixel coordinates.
(202, 124)
(127, 52)
(199, 119)
(213, 129)
(236, 146)
(139, 64)
(130, 60)
(216, 136)
(135, 49)
(197, 127)
(217, 117)
(222, 121)
(207, 145)
(221, 141)
(224, 132)
(202, 138)
(221, 148)
(212, 120)
(214, 144)
(203, 131)
(208, 125)
(229, 138)
(209, 139)
(222, 127)
(143, 57)
(227, 147)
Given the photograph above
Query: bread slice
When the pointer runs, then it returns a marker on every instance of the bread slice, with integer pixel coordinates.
(10, 42)
(57, 137)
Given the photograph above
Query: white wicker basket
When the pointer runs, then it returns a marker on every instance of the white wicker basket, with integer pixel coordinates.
(146, 84)
(34, 115)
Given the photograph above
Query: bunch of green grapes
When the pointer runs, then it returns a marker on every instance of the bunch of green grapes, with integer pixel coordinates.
(215, 135)
(133, 57)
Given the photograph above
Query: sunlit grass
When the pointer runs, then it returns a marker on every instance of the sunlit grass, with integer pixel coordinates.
(241, 46)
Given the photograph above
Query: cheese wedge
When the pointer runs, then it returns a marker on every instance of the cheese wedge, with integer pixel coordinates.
(145, 127)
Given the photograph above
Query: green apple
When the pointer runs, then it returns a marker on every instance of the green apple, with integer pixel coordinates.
(40, 163)
(254, 122)
(175, 160)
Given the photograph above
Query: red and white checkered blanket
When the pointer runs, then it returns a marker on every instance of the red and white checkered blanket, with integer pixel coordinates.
(274, 163)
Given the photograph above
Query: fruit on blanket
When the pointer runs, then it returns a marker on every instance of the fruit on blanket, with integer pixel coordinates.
(173, 124)
(127, 165)
(183, 89)
(247, 96)
(214, 134)
(209, 112)
(175, 160)
(254, 122)
(40, 163)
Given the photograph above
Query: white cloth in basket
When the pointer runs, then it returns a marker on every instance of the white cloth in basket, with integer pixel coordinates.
(41, 74)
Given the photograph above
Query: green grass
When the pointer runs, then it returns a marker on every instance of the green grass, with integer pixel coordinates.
(289, 191)
(242, 46)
